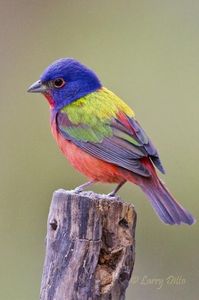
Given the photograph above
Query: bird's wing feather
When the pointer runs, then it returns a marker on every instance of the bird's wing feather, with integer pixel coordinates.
(147, 144)
(119, 140)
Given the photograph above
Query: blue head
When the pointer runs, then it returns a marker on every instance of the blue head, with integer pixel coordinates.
(65, 81)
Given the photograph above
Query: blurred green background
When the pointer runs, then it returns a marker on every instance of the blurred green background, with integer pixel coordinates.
(146, 52)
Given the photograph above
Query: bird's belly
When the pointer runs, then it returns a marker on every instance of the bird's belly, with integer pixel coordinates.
(90, 166)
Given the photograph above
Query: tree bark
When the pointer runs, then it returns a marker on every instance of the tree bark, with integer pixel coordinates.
(90, 247)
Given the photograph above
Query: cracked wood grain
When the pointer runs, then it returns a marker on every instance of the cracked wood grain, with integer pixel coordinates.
(90, 247)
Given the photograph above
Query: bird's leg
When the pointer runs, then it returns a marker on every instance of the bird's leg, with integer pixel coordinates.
(112, 194)
(80, 188)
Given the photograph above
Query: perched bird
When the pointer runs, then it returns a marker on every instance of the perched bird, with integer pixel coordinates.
(100, 136)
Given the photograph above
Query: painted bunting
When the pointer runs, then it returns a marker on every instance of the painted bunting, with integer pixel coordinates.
(100, 136)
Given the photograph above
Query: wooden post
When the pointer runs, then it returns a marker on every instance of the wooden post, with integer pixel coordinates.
(90, 249)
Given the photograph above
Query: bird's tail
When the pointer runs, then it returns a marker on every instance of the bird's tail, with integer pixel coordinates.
(164, 204)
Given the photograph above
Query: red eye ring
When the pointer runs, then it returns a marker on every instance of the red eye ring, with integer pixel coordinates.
(58, 83)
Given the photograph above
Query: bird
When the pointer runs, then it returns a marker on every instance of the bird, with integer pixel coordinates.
(100, 136)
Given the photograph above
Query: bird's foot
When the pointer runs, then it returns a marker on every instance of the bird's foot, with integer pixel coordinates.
(81, 188)
(78, 190)
(113, 193)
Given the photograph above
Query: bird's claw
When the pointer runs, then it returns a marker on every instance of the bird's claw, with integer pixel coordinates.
(78, 190)
(111, 194)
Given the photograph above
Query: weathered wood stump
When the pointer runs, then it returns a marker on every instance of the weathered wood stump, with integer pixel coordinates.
(90, 248)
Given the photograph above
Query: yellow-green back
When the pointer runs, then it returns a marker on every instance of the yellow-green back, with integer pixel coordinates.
(98, 106)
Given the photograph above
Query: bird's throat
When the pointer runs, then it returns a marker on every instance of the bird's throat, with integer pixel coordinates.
(49, 99)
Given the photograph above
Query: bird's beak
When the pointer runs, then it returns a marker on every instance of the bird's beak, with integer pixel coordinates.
(37, 87)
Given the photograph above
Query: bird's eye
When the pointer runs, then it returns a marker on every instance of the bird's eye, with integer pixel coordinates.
(58, 83)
